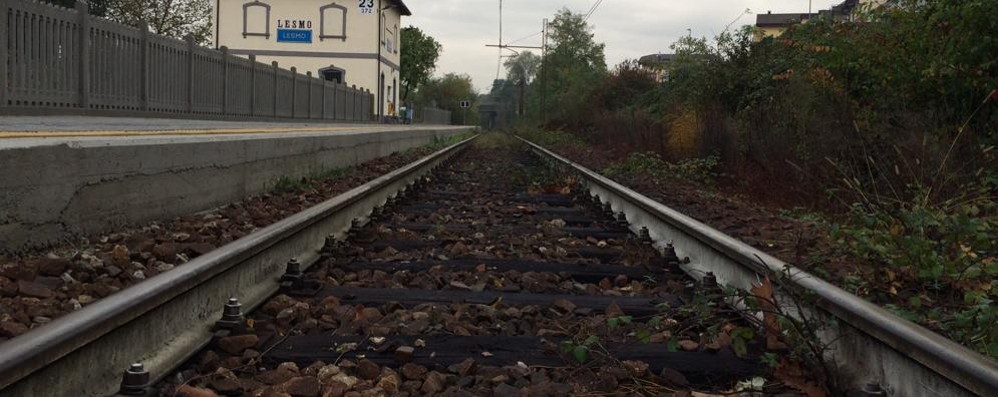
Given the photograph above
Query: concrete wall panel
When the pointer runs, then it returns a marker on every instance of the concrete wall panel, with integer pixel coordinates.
(55, 191)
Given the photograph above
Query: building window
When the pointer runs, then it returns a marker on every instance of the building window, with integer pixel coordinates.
(384, 27)
(333, 22)
(256, 19)
(397, 39)
(334, 74)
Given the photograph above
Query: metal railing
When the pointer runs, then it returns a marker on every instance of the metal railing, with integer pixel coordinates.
(54, 59)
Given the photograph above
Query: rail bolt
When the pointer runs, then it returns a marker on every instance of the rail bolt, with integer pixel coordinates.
(233, 310)
(135, 381)
(330, 243)
(232, 316)
(293, 277)
(645, 235)
(670, 253)
(872, 389)
(355, 225)
(293, 268)
(621, 218)
(709, 281)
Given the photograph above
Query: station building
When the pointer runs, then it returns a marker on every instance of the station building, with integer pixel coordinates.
(353, 42)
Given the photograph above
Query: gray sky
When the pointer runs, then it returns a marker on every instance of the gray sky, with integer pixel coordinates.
(629, 28)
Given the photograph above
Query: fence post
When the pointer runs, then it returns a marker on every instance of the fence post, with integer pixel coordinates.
(275, 70)
(190, 72)
(144, 65)
(294, 92)
(225, 80)
(323, 100)
(83, 11)
(308, 103)
(353, 103)
(252, 59)
(4, 32)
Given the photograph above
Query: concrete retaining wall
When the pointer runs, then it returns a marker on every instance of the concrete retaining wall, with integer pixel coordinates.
(49, 192)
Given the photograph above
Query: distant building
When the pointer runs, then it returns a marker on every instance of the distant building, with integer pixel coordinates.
(773, 25)
(353, 42)
(658, 65)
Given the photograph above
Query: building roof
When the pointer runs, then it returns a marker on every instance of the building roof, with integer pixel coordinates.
(780, 20)
(657, 58)
(402, 7)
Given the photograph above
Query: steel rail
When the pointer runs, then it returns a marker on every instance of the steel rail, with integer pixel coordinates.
(869, 344)
(166, 319)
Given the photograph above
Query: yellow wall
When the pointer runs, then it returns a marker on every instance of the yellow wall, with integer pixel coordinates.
(357, 54)
(761, 33)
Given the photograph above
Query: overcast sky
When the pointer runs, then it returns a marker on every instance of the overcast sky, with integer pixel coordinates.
(629, 28)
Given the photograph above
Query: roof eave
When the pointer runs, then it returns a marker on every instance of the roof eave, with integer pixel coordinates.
(403, 9)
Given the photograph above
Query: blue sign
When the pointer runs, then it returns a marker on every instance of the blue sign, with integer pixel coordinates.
(294, 36)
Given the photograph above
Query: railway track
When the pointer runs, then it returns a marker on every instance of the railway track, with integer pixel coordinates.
(498, 273)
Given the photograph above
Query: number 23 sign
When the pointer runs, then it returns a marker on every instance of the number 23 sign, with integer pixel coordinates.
(366, 6)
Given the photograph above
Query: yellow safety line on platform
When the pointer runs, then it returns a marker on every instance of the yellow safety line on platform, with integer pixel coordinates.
(231, 131)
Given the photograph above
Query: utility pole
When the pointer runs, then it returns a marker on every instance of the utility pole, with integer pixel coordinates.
(544, 80)
(499, 61)
(521, 110)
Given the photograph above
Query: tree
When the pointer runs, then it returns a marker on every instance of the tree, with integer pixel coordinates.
(522, 67)
(446, 93)
(97, 7)
(573, 44)
(173, 18)
(574, 66)
(419, 58)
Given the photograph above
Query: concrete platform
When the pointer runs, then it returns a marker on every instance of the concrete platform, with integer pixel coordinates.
(67, 176)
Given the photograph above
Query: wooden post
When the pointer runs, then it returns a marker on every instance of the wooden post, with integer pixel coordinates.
(275, 70)
(190, 73)
(225, 80)
(144, 67)
(4, 56)
(252, 59)
(294, 92)
(83, 11)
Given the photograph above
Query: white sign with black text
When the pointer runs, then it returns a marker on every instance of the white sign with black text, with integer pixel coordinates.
(366, 7)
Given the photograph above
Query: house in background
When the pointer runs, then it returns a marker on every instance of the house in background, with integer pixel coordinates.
(657, 65)
(773, 25)
(353, 42)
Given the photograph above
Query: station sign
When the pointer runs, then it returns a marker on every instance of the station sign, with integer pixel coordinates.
(294, 36)
(294, 31)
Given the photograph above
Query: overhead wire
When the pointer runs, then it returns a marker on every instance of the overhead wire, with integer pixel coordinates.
(524, 38)
(592, 10)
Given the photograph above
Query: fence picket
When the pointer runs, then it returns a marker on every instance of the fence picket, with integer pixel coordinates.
(54, 57)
